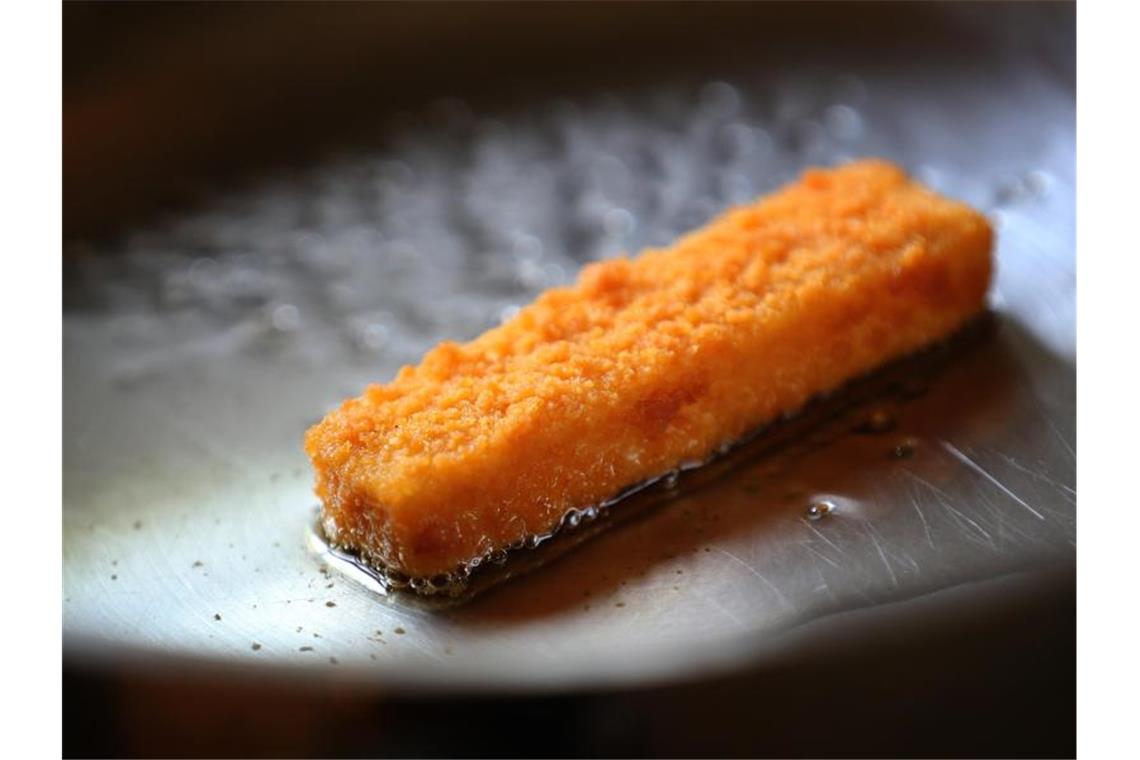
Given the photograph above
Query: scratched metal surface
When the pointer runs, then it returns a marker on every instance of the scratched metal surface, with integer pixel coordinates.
(198, 352)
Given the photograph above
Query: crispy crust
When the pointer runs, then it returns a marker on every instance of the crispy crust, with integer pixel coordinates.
(644, 364)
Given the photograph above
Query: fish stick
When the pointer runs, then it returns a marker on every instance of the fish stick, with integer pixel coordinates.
(645, 365)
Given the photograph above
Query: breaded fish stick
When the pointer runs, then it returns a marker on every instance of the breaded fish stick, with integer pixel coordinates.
(646, 364)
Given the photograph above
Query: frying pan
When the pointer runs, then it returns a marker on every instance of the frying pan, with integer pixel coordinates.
(202, 338)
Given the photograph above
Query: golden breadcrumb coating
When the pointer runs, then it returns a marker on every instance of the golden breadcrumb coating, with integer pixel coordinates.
(644, 364)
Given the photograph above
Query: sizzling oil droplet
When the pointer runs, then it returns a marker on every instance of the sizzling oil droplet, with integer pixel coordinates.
(818, 510)
(904, 449)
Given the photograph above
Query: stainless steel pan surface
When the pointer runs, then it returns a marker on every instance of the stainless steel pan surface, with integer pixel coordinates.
(199, 346)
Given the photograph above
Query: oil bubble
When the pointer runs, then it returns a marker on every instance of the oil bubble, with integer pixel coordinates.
(820, 509)
(904, 449)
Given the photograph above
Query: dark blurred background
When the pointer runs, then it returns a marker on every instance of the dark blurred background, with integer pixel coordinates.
(162, 100)
(166, 102)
